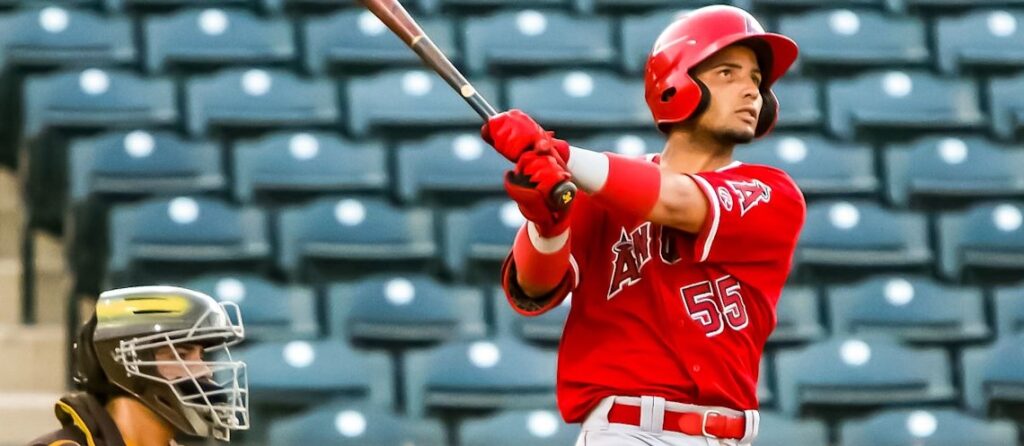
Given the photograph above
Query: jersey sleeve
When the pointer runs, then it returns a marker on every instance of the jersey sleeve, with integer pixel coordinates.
(755, 214)
(585, 218)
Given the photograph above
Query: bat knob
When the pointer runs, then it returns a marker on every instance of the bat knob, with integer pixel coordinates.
(562, 196)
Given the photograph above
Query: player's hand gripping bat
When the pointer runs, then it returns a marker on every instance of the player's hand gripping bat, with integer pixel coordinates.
(398, 20)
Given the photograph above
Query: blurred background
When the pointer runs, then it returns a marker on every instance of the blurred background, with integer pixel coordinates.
(293, 157)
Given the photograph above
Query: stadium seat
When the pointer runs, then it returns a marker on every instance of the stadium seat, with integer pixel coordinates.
(160, 5)
(947, 170)
(532, 39)
(938, 427)
(506, 4)
(982, 38)
(305, 373)
(271, 311)
(247, 98)
(409, 311)
(820, 166)
(789, 4)
(994, 377)
(860, 37)
(450, 169)
(581, 99)
(902, 100)
(357, 38)
(351, 424)
(343, 237)
(544, 330)
(860, 234)
(798, 104)
(172, 238)
(779, 430)
(985, 241)
(410, 99)
(797, 317)
(518, 427)
(216, 37)
(955, 5)
(1006, 96)
(632, 144)
(913, 309)
(54, 36)
(282, 167)
(638, 32)
(1009, 310)
(765, 394)
(474, 253)
(477, 375)
(845, 373)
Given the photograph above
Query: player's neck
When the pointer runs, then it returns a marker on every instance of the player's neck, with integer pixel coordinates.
(139, 426)
(689, 152)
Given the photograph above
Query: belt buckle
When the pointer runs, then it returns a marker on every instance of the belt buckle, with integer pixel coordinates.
(704, 423)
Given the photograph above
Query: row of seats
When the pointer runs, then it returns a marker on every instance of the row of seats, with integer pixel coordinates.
(933, 171)
(251, 98)
(409, 310)
(503, 40)
(312, 239)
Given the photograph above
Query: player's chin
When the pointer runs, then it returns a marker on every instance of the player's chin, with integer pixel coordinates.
(740, 134)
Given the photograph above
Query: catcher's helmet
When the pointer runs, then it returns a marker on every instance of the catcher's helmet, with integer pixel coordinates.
(674, 95)
(116, 354)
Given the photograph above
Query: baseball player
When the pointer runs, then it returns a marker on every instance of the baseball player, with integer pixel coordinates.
(144, 361)
(675, 261)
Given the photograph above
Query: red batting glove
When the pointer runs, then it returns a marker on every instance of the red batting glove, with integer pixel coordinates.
(536, 173)
(514, 132)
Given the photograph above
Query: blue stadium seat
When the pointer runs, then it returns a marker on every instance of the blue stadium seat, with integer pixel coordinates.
(859, 37)
(938, 427)
(506, 4)
(797, 317)
(581, 99)
(902, 100)
(945, 170)
(955, 5)
(410, 99)
(632, 144)
(913, 309)
(638, 33)
(410, 311)
(350, 424)
(994, 377)
(1006, 96)
(765, 394)
(450, 168)
(643, 5)
(846, 373)
(1009, 310)
(798, 103)
(820, 166)
(983, 38)
(289, 165)
(987, 238)
(544, 330)
(357, 38)
(57, 36)
(315, 240)
(97, 98)
(530, 39)
(216, 37)
(179, 237)
(271, 311)
(305, 373)
(477, 375)
(470, 251)
(518, 427)
(160, 5)
(787, 4)
(779, 430)
(247, 98)
(860, 234)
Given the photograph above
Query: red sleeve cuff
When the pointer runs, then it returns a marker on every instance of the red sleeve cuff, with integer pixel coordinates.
(527, 306)
(706, 236)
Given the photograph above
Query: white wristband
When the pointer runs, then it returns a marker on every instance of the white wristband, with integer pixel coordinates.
(589, 169)
(546, 245)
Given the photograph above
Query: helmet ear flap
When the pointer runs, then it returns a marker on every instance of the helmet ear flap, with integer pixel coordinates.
(88, 373)
(769, 113)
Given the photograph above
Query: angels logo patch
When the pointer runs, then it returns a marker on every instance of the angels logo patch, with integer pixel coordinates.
(750, 193)
(725, 198)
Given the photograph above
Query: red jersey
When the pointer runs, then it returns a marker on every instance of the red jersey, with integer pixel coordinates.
(658, 311)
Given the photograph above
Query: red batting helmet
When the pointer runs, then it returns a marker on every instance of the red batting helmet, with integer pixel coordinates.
(674, 95)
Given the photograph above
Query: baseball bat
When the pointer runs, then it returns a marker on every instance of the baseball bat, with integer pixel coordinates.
(398, 20)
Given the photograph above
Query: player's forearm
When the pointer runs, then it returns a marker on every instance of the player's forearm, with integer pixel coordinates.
(639, 188)
(541, 263)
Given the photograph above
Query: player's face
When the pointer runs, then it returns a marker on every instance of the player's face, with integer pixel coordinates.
(190, 354)
(733, 77)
